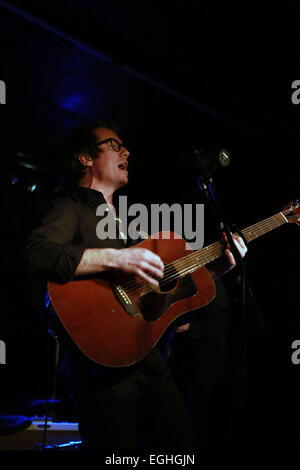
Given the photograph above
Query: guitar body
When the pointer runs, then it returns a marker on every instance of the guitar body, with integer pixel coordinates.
(117, 319)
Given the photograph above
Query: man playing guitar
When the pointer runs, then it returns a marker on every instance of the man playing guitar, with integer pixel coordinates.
(121, 408)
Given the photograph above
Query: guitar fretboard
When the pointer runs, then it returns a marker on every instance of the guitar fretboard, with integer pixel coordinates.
(197, 259)
(206, 255)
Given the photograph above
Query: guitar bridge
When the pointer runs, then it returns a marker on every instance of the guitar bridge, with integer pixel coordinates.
(124, 299)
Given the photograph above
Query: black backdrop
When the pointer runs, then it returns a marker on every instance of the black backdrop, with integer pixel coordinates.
(174, 80)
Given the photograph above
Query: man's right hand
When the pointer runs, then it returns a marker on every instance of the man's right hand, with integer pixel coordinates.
(141, 262)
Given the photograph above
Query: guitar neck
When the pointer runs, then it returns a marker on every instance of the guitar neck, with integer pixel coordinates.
(206, 255)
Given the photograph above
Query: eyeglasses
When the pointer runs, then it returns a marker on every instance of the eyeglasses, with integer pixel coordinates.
(114, 144)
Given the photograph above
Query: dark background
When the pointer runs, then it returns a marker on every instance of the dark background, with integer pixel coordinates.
(175, 76)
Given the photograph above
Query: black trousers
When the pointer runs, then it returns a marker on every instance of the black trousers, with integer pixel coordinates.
(202, 369)
(133, 408)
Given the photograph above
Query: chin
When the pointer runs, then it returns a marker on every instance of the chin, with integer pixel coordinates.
(123, 182)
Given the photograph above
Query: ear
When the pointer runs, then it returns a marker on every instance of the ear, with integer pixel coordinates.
(85, 159)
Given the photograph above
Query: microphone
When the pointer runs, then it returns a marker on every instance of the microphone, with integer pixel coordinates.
(212, 156)
(204, 160)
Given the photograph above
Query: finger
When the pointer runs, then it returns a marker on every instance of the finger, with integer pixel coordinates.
(183, 328)
(154, 259)
(147, 267)
(147, 278)
(224, 237)
(230, 257)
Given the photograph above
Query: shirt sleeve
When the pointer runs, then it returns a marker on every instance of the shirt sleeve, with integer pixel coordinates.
(51, 250)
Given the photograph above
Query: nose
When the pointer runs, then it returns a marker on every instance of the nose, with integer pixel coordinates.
(124, 152)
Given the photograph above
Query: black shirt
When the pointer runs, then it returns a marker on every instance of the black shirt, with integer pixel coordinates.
(55, 248)
(53, 251)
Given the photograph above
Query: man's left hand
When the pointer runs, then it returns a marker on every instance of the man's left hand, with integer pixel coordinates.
(240, 245)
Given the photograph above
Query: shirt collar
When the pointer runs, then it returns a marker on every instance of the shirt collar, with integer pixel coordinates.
(93, 198)
(89, 196)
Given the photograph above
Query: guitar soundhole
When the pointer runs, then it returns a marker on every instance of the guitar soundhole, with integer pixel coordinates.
(169, 281)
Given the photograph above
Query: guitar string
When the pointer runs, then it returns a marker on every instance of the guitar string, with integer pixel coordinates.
(169, 268)
(187, 269)
(207, 250)
(199, 259)
(177, 263)
(204, 258)
(271, 223)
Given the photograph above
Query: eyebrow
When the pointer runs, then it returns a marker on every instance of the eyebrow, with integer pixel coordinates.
(109, 138)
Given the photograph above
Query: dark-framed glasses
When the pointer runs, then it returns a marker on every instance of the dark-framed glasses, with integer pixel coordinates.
(114, 144)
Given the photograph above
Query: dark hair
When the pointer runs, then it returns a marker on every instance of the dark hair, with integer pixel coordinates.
(81, 140)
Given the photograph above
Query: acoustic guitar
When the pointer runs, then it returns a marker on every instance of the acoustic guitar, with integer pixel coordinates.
(116, 319)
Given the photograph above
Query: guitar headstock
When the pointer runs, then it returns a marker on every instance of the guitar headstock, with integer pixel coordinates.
(292, 212)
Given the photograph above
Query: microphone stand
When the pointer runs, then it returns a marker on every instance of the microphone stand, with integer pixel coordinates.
(205, 184)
